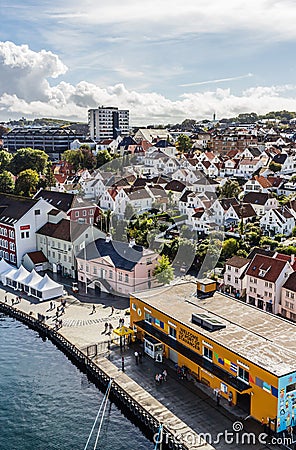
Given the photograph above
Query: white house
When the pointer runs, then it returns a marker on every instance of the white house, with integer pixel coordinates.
(278, 221)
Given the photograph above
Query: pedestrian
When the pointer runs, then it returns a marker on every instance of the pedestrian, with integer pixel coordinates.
(122, 363)
(164, 375)
(230, 396)
(112, 310)
(5, 298)
(50, 306)
(106, 327)
(218, 398)
(140, 357)
(137, 357)
(110, 327)
(93, 309)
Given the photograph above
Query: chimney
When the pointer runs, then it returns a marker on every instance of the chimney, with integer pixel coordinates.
(292, 259)
(108, 237)
(132, 242)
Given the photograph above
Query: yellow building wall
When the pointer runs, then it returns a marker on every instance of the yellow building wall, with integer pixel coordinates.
(263, 403)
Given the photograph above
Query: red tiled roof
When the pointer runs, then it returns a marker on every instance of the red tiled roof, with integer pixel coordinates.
(266, 268)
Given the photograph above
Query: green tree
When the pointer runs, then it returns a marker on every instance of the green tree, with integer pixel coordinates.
(74, 157)
(89, 160)
(103, 157)
(129, 211)
(27, 183)
(163, 271)
(230, 188)
(5, 159)
(49, 179)
(6, 182)
(27, 158)
(275, 167)
(229, 248)
(184, 143)
(294, 232)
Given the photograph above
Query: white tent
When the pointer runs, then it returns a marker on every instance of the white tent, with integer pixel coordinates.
(19, 276)
(7, 277)
(4, 268)
(46, 289)
(30, 280)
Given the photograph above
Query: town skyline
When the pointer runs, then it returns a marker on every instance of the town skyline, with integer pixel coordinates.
(164, 62)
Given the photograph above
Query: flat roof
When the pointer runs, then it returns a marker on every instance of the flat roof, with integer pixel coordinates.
(255, 335)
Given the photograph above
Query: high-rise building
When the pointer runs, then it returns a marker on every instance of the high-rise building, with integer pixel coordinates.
(108, 123)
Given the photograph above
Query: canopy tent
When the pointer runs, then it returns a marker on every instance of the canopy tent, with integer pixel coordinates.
(7, 277)
(30, 280)
(123, 331)
(46, 289)
(4, 268)
(19, 276)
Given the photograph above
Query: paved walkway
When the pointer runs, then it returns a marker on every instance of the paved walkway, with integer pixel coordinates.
(194, 404)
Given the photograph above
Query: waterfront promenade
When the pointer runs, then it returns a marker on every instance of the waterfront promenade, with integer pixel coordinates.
(197, 409)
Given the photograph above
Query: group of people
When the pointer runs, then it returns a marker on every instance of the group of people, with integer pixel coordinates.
(182, 372)
(160, 377)
(108, 326)
(14, 301)
(138, 357)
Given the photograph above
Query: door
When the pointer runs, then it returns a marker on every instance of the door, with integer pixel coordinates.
(173, 356)
(244, 402)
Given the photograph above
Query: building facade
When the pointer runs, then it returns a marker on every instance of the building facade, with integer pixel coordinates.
(54, 141)
(246, 354)
(108, 123)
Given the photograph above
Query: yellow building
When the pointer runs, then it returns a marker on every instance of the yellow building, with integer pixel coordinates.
(246, 353)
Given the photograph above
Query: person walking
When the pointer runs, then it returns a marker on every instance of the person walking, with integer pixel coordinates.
(122, 363)
(164, 375)
(93, 309)
(218, 398)
(137, 357)
(110, 328)
(140, 357)
(106, 327)
(112, 310)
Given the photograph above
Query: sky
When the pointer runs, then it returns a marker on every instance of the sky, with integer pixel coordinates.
(164, 60)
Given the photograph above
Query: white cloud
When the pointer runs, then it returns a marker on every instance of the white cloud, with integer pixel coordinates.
(25, 90)
(275, 18)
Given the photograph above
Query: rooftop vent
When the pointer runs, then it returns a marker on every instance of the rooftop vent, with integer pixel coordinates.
(207, 322)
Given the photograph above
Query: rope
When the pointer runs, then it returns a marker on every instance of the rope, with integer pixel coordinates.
(96, 419)
(102, 418)
(159, 436)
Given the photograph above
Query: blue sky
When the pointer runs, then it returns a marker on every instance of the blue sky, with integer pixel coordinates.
(164, 60)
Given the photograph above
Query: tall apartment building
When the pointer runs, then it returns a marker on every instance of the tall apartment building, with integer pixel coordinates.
(108, 123)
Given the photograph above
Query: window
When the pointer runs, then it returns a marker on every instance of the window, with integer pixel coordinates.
(228, 278)
(65, 257)
(120, 276)
(236, 280)
(126, 278)
(173, 332)
(76, 213)
(53, 254)
(11, 234)
(110, 274)
(243, 375)
(27, 234)
(292, 295)
(87, 268)
(159, 323)
(134, 307)
(37, 212)
(148, 317)
(207, 353)
(84, 212)
(12, 246)
(22, 235)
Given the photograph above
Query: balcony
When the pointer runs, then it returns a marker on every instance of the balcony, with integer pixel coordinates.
(232, 381)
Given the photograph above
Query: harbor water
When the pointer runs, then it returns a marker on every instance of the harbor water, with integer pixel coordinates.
(46, 403)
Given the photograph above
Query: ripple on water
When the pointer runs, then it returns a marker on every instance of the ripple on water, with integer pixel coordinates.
(47, 404)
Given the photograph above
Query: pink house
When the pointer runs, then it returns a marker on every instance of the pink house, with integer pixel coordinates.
(114, 266)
